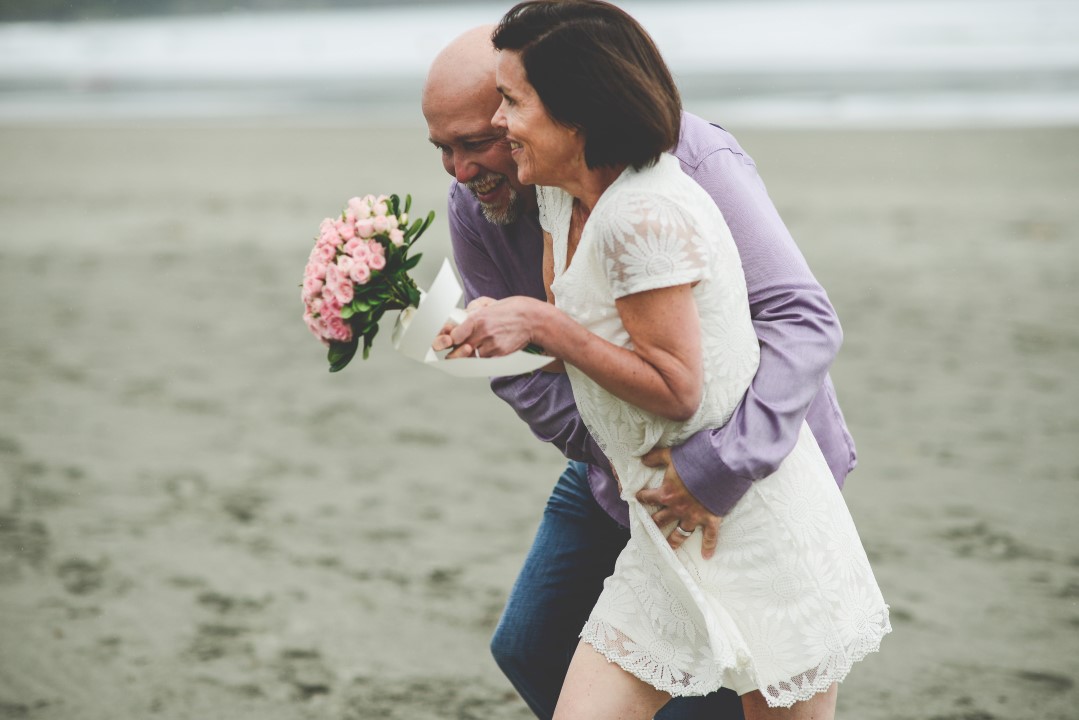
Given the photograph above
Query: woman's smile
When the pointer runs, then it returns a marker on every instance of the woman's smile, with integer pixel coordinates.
(546, 152)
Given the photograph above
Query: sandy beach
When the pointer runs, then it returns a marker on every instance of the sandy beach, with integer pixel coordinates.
(197, 521)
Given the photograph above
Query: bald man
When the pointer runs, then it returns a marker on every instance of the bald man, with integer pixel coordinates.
(498, 247)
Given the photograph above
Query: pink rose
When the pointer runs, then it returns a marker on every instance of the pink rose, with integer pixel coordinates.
(356, 247)
(333, 275)
(315, 268)
(397, 237)
(382, 223)
(344, 292)
(311, 286)
(344, 263)
(313, 324)
(380, 209)
(346, 230)
(365, 227)
(354, 205)
(360, 273)
(327, 234)
(377, 262)
(339, 329)
(326, 253)
(338, 285)
(331, 306)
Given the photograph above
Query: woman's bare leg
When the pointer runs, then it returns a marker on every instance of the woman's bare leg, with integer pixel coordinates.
(819, 707)
(597, 689)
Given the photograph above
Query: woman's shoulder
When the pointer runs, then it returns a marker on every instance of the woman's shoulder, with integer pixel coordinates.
(661, 185)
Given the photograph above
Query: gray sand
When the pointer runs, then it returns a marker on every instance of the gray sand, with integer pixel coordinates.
(197, 521)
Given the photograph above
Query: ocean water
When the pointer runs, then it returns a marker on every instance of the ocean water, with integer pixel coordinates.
(767, 62)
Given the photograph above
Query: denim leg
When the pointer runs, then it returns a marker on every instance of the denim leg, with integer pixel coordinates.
(574, 550)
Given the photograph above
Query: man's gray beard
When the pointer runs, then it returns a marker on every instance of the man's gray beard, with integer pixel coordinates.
(506, 215)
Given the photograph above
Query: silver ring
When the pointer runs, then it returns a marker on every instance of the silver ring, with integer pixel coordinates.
(477, 352)
(682, 531)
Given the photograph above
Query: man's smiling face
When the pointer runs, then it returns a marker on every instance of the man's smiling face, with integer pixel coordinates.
(459, 100)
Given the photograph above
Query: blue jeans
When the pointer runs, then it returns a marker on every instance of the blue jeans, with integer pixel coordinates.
(574, 551)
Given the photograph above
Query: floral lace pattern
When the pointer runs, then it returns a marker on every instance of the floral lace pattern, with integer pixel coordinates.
(788, 603)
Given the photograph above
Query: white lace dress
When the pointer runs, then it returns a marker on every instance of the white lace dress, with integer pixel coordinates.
(788, 602)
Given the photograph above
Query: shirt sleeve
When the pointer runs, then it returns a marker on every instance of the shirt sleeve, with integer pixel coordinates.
(799, 335)
(543, 400)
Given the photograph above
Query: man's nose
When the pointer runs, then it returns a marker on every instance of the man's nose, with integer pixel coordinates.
(464, 169)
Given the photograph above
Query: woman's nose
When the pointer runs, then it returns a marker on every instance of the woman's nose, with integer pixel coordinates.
(499, 119)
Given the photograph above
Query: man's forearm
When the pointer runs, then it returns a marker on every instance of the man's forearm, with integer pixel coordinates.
(545, 402)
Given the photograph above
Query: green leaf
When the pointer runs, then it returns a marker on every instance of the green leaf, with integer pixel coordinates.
(341, 354)
(395, 205)
(413, 229)
(413, 296)
(408, 203)
(426, 224)
(412, 261)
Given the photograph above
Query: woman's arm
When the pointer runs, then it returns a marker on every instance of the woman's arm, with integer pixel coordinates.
(662, 374)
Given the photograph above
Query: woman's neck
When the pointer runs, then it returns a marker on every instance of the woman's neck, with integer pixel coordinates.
(590, 184)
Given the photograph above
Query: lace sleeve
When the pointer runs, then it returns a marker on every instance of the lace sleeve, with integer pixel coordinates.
(651, 242)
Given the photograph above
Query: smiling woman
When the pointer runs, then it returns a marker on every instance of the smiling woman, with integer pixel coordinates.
(595, 76)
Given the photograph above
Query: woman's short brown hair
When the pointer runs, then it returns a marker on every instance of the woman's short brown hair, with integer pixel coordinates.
(596, 69)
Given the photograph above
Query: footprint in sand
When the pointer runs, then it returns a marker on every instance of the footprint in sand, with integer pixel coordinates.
(981, 541)
(215, 640)
(305, 672)
(23, 543)
(80, 576)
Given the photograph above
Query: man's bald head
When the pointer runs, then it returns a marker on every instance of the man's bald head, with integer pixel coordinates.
(463, 74)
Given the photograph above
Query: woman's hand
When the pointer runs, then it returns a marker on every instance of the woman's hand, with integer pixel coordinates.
(444, 340)
(498, 328)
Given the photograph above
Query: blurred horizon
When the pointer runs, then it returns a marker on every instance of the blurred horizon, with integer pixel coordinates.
(793, 63)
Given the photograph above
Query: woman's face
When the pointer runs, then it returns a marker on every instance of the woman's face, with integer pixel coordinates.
(546, 152)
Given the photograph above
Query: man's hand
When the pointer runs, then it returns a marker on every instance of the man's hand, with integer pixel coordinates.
(444, 340)
(677, 505)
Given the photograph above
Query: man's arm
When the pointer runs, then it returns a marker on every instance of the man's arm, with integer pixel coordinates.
(543, 400)
(799, 335)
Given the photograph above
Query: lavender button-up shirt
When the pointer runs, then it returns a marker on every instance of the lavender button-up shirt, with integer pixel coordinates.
(796, 324)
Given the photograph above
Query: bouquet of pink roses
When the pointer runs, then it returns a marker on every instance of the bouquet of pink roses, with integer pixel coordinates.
(357, 271)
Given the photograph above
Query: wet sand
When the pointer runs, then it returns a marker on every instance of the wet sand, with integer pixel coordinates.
(197, 521)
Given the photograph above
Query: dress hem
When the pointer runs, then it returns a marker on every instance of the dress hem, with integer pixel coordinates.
(830, 670)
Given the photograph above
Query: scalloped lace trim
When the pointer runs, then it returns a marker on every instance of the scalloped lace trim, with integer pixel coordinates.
(664, 674)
